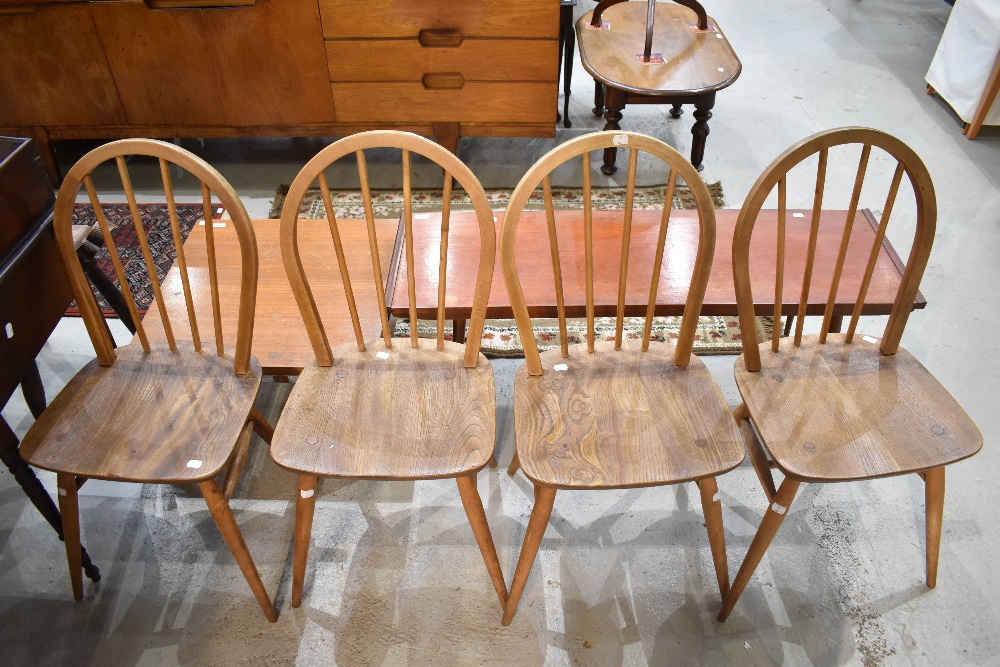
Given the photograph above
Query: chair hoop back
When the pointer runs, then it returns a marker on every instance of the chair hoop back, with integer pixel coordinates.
(211, 182)
(680, 167)
(775, 176)
(455, 169)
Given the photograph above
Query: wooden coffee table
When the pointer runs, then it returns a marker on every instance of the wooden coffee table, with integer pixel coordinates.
(280, 342)
(535, 265)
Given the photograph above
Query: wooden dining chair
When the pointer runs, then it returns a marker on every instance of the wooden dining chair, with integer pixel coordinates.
(837, 407)
(622, 413)
(176, 412)
(389, 409)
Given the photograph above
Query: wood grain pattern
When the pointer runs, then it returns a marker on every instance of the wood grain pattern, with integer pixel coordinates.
(359, 60)
(145, 417)
(842, 412)
(472, 18)
(696, 62)
(475, 102)
(416, 415)
(221, 67)
(535, 266)
(622, 419)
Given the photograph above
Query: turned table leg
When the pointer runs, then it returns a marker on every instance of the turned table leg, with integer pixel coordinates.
(615, 102)
(702, 112)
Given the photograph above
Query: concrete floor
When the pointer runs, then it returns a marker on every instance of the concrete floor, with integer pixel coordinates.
(621, 577)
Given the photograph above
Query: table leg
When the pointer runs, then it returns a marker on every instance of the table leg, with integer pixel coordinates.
(676, 110)
(88, 260)
(567, 44)
(36, 493)
(458, 331)
(702, 112)
(33, 390)
(615, 101)
(836, 324)
(598, 98)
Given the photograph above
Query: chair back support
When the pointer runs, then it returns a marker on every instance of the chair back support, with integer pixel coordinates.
(776, 176)
(694, 5)
(454, 168)
(212, 182)
(678, 166)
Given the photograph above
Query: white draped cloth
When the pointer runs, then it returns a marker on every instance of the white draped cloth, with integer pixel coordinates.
(965, 57)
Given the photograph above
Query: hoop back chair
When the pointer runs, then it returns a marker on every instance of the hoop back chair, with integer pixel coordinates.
(617, 413)
(836, 407)
(389, 409)
(173, 411)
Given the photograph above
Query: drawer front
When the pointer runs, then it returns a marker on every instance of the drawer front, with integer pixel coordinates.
(406, 18)
(475, 60)
(474, 102)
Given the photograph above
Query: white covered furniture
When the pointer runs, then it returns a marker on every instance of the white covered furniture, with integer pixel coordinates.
(966, 67)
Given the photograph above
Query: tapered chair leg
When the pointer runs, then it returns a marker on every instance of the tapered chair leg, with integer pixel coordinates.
(480, 528)
(775, 514)
(539, 520)
(305, 506)
(69, 508)
(515, 463)
(934, 499)
(230, 530)
(712, 506)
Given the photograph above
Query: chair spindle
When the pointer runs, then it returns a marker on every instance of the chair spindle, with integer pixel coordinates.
(779, 269)
(443, 256)
(811, 252)
(550, 219)
(338, 246)
(168, 190)
(588, 241)
(116, 261)
(213, 268)
(845, 240)
(366, 195)
(654, 283)
(411, 280)
(147, 256)
(873, 256)
(633, 156)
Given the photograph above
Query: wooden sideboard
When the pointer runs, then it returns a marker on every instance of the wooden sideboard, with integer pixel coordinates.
(72, 69)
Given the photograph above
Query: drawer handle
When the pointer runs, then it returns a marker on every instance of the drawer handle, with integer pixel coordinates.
(440, 37)
(444, 81)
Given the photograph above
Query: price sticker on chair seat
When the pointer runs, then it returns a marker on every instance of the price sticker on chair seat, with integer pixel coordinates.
(694, 27)
(560, 367)
(605, 25)
(382, 355)
(654, 59)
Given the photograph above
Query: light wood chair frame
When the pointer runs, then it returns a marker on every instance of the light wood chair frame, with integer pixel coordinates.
(680, 167)
(774, 177)
(454, 170)
(212, 183)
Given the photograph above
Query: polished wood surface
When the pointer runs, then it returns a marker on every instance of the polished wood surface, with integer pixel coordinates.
(111, 423)
(837, 412)
(622, 413)
(572, 426)
(165, 412)
(840, 407)
(280, 342)
(384, 408)
(697, 62)
(161, 69)
(414, 415)
(536, 268)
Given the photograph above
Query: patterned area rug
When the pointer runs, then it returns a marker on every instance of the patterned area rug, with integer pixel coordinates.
(715, 335)
(156, 223)
(501, 339)
(389, 203)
